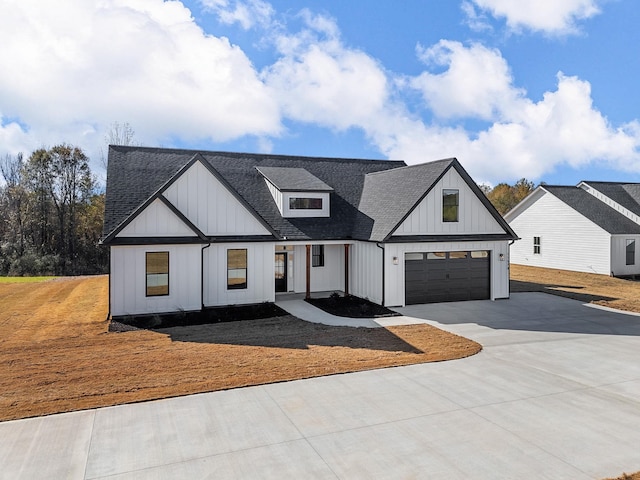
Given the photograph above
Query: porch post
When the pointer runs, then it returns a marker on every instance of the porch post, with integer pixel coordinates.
(308, 293)
(346, 269)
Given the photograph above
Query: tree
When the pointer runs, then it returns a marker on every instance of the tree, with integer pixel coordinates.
(504, 196)
(118, 134)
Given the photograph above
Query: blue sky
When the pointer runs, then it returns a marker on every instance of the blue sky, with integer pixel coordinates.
(542, 89)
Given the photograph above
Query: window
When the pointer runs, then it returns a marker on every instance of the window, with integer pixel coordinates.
(317, 255)
(536, 245)
(414, 256)
(458, 255)
(479, 254)
(157, 272)
(437, 256)
(450, 203)
(236, 268)
(631, 252)
(305, 203)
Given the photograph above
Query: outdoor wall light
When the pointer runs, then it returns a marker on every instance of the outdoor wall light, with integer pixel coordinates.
(502, 257)
(395, 260)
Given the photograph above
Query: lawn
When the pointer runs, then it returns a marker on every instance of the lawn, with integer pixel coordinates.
(57, 355)
(25, 279)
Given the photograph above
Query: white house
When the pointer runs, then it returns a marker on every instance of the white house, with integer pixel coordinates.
(593, 227)
(189, 230)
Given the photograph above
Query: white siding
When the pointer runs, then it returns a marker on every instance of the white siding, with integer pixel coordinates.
(327, 278)
(394, 274)
(260, 275)
(128, 280)
(209, 205)
(276, 194)
(569, 241)
(619, 265)
(365, 271)
(473, 216)
(157, 220)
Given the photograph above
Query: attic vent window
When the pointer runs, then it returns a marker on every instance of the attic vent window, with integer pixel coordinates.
(296, 203)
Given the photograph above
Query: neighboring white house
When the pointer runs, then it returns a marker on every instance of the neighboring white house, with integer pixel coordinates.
(189, 230)
(593, 227)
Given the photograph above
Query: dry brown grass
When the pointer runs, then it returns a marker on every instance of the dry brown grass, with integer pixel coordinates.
(586, 287)
(56, 354)
(624, 476)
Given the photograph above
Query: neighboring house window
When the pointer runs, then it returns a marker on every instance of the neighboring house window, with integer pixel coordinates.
(236, 268)
(631, 252)
(305, 203)
(536, 245)
(317, 255)
(450, 202)
(157, 272)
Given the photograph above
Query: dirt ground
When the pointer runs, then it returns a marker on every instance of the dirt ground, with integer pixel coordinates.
(56, 353)
(586, 287)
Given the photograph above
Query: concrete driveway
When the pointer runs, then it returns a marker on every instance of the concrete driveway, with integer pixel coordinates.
(555, 394)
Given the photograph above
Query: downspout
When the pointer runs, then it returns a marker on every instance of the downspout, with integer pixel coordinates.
(202, 275)
(383, 255)
(511, 242)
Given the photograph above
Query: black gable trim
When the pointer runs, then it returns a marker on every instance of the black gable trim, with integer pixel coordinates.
(157, 241)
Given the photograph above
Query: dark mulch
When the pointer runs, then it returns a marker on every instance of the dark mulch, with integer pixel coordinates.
(351, 306)
(206, 316)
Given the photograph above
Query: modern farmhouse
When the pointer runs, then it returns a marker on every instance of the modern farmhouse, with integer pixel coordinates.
(593, 227)
(189, 230)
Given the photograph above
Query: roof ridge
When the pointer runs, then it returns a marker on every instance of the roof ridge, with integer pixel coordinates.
(291, 157)
(415, 165)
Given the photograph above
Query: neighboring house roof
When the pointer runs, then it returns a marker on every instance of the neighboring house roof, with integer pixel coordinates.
(294, 179)
(625, 194)
(593, 209)
(369, 198)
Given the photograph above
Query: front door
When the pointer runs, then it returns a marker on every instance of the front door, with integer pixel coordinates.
(281, 271)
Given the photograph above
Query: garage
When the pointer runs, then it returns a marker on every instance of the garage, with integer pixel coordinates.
(447, 276)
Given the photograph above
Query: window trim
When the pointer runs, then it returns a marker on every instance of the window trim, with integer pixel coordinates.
(147, 274)
(317, 255)
(238, 286)
(537, 245)
(450, 192)
(306, 203)
(630, 260)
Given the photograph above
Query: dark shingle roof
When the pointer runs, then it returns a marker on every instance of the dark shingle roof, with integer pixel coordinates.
(135, 173)
(389, 196)
(626, 194)
(593, 209)
(294, 179)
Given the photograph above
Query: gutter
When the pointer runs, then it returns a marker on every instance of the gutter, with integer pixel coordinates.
(383, 272)
(202, 275)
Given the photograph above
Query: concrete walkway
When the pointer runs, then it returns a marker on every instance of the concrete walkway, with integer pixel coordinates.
(555, 394)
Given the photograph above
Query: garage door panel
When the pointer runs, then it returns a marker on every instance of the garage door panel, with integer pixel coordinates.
(457, 276)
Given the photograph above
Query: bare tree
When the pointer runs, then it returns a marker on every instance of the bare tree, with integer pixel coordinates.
(118, 134)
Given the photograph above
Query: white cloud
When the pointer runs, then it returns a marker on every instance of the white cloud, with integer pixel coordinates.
(556, 17)
(248, 13)
(77, 66)
(317, 80)
(476, 83)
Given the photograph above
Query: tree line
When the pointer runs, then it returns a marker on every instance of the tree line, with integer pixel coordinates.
(51, 214)
(504, 196)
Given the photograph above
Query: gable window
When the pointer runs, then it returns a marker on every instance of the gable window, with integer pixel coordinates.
(236, 268)
(450, 202)
(157, 273)
(631, 252)
(296, 203)
(317, 255)
(536, 245)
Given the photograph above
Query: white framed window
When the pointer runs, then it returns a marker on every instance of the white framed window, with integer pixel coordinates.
(537, 245)
(157, 274)
(450, 204)
(236, 268)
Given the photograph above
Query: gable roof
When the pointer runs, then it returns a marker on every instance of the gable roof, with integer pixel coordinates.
(389, 197)
(288, 179)
(135, 174)
(593, 209)
(625, 194)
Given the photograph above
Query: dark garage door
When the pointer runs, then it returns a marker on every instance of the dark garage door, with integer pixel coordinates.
(447, 276)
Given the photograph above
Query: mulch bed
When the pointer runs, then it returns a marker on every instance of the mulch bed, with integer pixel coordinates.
(351, 306)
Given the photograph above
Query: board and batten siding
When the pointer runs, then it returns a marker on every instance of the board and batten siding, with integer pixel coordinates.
(473, 216)
(330, 277)
(365, 271)
(260, 274)
(127, 280)
(210, 206)
(156, 220)
(619, 265)
(568, 240)
(394, 287)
